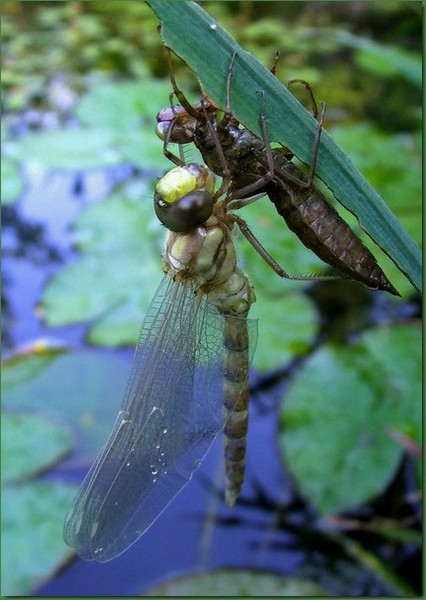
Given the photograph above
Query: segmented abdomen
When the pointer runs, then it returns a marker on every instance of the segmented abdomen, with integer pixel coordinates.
(234, 298)
(321, 229)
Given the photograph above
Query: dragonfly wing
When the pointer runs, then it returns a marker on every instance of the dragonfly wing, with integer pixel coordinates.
(170, 415)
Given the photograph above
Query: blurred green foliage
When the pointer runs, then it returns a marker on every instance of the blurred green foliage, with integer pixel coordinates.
(53, 402)
(33, 442)
(362, 59)
(234, 582)
(40, 39)
(32, 516)
(348, 402)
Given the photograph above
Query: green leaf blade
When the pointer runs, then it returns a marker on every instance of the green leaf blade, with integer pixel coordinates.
(201, 42)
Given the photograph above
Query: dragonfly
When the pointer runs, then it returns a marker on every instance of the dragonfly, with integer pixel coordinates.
(189, 377)
(250, 160)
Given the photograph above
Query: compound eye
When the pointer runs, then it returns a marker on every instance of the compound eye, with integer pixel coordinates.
(187, 213)
(179, 134)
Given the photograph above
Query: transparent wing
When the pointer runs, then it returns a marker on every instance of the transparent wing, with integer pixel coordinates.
(171, 413)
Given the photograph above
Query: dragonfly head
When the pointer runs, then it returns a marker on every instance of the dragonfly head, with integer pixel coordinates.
(184, 197)
(175, 125)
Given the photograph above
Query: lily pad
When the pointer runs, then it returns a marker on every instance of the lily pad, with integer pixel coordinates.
(121, 324)
(121, 259)
(339, 415)
(68, 149)
(82, 389)
(33, 547)
(142, 148)
(30, 444)
(128, 110)
(118, 126)
(237, 583)
(122, 105)
(19, 371)
(12, 183)
(287, 327)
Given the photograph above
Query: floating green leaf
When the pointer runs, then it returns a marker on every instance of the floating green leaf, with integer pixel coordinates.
(81, 389)
(68, 149)
(122, 106)
(233, 582)
(22, 368)
(338, 416)
(30, 444)
(201, 42)
(12, 183)
(120, 325)
(127, 109)
(384, 60)
(287, 327)
(121, 260)
(32, 520)
(118, 126)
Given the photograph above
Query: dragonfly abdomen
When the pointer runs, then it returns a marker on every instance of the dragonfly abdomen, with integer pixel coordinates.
(236, 399)
(321, 229)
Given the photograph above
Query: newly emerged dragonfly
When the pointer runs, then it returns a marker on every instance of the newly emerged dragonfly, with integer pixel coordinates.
(250, 160)
(189, 378)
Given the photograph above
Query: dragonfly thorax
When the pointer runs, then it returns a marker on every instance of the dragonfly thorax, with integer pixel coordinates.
(205, 254)
(206, 260)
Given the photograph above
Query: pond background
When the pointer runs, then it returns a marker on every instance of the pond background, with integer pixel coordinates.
(337, 370)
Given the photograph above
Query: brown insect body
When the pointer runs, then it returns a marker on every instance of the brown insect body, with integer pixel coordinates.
(307, 213)
(320, 228)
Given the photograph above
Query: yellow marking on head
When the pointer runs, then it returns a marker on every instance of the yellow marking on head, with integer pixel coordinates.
(176, 184)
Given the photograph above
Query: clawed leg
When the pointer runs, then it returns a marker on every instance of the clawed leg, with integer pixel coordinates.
(308, 182)
(273, 171)
(261, 250)
(177, 160)
(314, 111)
(308, 88)
(177, 91)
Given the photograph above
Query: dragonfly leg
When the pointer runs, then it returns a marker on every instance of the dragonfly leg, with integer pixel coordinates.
(183, 101)
(307, 182)
(261, 250)
(228, 120)
(226, 173)
(220, 130)
(275, 62)
(313, 166)
(251, 189)
(179, 161)
(302, 183)
(308, 88)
